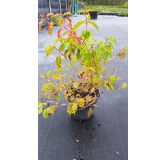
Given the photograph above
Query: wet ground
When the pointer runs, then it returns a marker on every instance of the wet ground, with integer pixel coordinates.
(105, 135)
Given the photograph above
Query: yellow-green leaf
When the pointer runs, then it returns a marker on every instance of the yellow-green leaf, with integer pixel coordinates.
(40, 110)
(94, 24)
(89, 17)
(112, 39)
(69, 108)
(112, 87)
(40, 24)
(60, 22)
(115, 68)
(75, 84)
(66, 68)
(45, 114)
(51, 109)
(124, 85)
(48, 50)
(78, 24)
(90, 112)
(74, 107)
(80, 102)
(58, 61)
(66, 96)
(58, 98)
(112, 79)
(40, 107)
(43, 75)
(95, 105)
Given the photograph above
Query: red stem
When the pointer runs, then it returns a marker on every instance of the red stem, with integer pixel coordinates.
(110, 61)
(124, 76)
(67, 59)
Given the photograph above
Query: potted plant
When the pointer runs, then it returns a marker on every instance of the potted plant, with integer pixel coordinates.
(92, 56)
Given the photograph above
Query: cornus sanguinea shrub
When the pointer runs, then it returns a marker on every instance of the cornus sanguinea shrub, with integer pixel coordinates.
(92, 58)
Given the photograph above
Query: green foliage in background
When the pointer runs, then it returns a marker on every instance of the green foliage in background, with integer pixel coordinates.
(54, 20)
(105, 2)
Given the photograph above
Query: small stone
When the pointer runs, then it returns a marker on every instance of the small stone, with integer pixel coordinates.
(117, 153)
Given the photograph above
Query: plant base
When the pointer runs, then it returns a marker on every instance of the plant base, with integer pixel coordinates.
(83, 114)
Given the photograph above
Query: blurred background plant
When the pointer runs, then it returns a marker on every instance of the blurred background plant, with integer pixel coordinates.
(56, 20)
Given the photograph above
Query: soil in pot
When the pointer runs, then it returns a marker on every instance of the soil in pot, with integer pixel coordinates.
(82, 112)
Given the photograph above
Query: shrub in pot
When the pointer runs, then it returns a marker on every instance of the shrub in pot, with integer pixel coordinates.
(92, 57)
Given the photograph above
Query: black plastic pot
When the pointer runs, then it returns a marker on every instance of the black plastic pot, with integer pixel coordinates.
(93, 14)
(82, 113)
(96, 13)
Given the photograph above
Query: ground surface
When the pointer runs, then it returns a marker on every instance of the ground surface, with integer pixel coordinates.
(107, 131)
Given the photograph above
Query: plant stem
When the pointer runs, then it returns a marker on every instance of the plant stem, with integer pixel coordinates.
(124, 76)
(66, 59)
(110, 61)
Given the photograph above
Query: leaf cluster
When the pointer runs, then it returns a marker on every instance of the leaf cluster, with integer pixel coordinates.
(88, 53)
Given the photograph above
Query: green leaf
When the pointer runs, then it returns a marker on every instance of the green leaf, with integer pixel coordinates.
(86, 34)
(124, 85)
(40, 110)
(66, 96)
(88, 99)
(76, 44)
(107, 88)
(69, 108)
(43, 75)
(66, 68)
(65, 53)
(48, 50)
(47, 74)
(58, 98)
(45, 114)
(112, 87)
(63, 46)
(94, 24)
(108, 48)
(58, 39)
(112, 46)
(74, 108)
(51, 109)
(75, 84)
(58, 61)
(40, 107)
(78, 24)
(64, 75)
(112, 39)
(78, 54)
(57, 70)
(89, 17)
(112, 79)
(80, 102)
